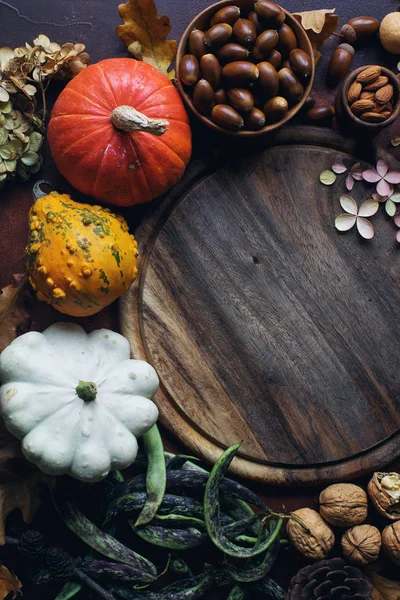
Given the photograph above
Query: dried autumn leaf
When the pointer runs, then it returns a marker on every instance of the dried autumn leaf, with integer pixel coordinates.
(319, 25)
(143, 26)
(9, 583)
(13, 315)
(384, 589)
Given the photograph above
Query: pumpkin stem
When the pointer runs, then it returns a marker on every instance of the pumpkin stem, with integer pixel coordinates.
(127, 118)
(87, 390)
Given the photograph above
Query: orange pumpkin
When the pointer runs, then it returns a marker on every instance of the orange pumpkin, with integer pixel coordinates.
(119, 132)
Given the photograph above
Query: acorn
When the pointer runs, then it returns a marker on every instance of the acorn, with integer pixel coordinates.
(218, 35)
(197, 45)
(269, 12)
(268, 78)
(290, 87)
(308, 103)
(210, 69)
(227, 14)
(189, 69)
(276, 109)
(241, 99)
(240, 73)
(245, 32)
(221, 97)
(275, 58)
(265, 43)
(227, 117)
(232, 52)
(287, 40)
(339, 63)
(359, 28)
(321, 114)
(203, 97)
(253, 17)
(255, 119)
(300, 63)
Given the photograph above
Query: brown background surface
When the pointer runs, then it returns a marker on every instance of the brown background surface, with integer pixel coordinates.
(93, 22)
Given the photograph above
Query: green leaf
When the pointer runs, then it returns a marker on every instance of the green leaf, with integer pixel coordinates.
(30, 158)
(3, 136)
(6, 107)
(35, 141)
(11, 165)
(4, 95)
(6, 152)
(23, 172)
(37, 166)
(3, 176)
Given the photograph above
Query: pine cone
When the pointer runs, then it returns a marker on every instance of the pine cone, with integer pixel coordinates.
(330, 579)
(31, 544)
(59, 563)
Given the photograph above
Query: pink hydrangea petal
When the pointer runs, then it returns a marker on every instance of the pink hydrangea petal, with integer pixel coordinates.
(383, 188)
(349, 182)
(390, 208)
(371, 176)
(393, 177)
(396, 219)
(379, 198)
(381, 168)
(357, 175)
(344, 222)
(338, 167)
(365, 228)
(368, 208)
(398, 236)
(348, 204)
(355, 167)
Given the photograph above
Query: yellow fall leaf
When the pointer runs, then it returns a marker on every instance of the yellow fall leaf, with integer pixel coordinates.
(319, 24)
(9, 583)
(13, 315)
(146, 34)
(384, 589)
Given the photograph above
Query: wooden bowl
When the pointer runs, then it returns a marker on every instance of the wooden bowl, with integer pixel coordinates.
(343, 108)
(202, 21)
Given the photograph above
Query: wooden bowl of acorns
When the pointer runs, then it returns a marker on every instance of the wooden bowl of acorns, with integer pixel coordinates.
(245, 68)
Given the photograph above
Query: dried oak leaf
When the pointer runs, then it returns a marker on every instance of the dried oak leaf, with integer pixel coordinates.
(13, 315)
(319, 25)
(146, 34)
(9, 584)
(384, 589)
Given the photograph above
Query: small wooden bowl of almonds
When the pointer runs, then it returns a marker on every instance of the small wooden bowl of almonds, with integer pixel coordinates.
(370, 98)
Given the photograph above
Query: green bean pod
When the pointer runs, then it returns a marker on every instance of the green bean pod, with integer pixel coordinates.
(269, 587)
(180, 567)
(185, 589)
(103, 543)
(212, 512)
(236, 593)
(178, 461)
(156, 477)
(184, 520)
(170, 503)
(69, 590)
(173, 539)
(99, 568)
(258, 567)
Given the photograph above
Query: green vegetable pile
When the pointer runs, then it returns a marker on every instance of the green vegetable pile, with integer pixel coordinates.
(139, 533)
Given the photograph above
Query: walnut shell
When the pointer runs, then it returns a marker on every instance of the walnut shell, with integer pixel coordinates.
(391, 542)
(361, 544)
(318, 541)
(384, 491)
(343, 504)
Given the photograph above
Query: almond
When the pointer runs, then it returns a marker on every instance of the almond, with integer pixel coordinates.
(369, 75)
(386, 113)
(383, 107)
(367, 95)
(372, 117)
(384, 94)
(360, 106)
(378, 83)
(354, 91)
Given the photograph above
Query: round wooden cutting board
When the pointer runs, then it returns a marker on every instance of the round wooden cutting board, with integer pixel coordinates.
(267, 325)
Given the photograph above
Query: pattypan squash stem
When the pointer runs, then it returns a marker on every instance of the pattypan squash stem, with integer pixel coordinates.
(87, 390)
(127, 118)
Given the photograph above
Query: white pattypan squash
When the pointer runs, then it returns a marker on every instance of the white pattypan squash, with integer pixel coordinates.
(77, 401)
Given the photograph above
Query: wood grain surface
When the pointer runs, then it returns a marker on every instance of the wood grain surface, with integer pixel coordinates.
(267, 325)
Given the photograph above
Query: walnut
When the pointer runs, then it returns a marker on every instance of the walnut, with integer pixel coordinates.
(314, 538)
(391, 542)
(361, 544)
(384, 491)
(343, 504)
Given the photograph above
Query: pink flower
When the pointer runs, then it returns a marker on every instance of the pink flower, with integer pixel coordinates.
(354, 215)
(397, 222)
(355, 173)
(382, 177)
(390, 200)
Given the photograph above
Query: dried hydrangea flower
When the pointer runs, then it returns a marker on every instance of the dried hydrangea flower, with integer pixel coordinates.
(355, 174)
(327, 177)
(355, 215)
(382, 177)
(390, 200)
(339, 167)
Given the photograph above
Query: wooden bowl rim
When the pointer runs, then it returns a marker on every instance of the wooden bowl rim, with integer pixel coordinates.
(207, 121)
(345, 88)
